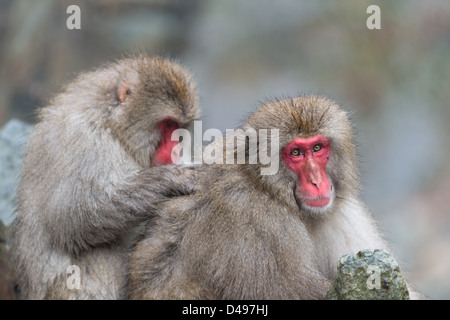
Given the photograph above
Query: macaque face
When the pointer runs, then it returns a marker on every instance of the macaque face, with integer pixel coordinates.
(308, 158)
(167, 152)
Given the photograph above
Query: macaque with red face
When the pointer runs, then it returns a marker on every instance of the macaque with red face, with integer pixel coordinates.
(93, 173)
(308, 158)
(248, 235)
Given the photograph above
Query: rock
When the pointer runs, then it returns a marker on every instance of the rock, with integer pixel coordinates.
(13, 137)
(371, 274)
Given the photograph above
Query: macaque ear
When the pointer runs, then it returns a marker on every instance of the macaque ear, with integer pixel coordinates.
(123, 91)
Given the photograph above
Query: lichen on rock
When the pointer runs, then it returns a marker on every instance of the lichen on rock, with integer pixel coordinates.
(371, 274)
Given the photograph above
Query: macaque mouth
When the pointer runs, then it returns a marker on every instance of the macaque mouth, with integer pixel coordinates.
(167, 151)
(317, 202)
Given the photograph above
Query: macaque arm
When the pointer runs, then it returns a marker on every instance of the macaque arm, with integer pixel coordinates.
(139, 194)
(112, 213)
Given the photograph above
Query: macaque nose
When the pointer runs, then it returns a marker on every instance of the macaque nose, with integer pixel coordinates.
(314, 175)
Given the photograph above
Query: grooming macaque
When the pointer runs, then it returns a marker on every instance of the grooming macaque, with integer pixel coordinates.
(246, 235)
(91, 175)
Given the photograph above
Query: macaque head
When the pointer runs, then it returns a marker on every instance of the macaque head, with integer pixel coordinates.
(316, 148)
(155, 97)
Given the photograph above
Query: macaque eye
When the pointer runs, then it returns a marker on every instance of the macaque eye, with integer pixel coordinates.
(317, 148)
(296, 153)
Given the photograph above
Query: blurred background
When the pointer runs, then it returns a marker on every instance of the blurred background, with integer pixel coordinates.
(395, 82)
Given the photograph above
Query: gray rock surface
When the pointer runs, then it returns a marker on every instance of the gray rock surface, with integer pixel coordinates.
(13, 137)
(371, 274)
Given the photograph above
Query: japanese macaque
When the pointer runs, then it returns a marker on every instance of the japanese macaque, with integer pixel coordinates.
(91, 175)
(248, 235)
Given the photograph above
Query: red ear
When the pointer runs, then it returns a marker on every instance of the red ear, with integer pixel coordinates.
(123, 91)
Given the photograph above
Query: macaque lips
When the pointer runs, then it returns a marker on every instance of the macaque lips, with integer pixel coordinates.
(166, 152)
(308, 158)
(318, 202)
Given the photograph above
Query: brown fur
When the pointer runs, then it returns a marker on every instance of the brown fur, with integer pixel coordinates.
(245, 235)
(86, 182)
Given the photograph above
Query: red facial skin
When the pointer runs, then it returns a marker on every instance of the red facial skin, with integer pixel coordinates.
(167, 147)
(314, 187)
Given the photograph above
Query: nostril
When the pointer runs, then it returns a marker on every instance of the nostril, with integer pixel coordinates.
(316, 184)
(316, 179)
